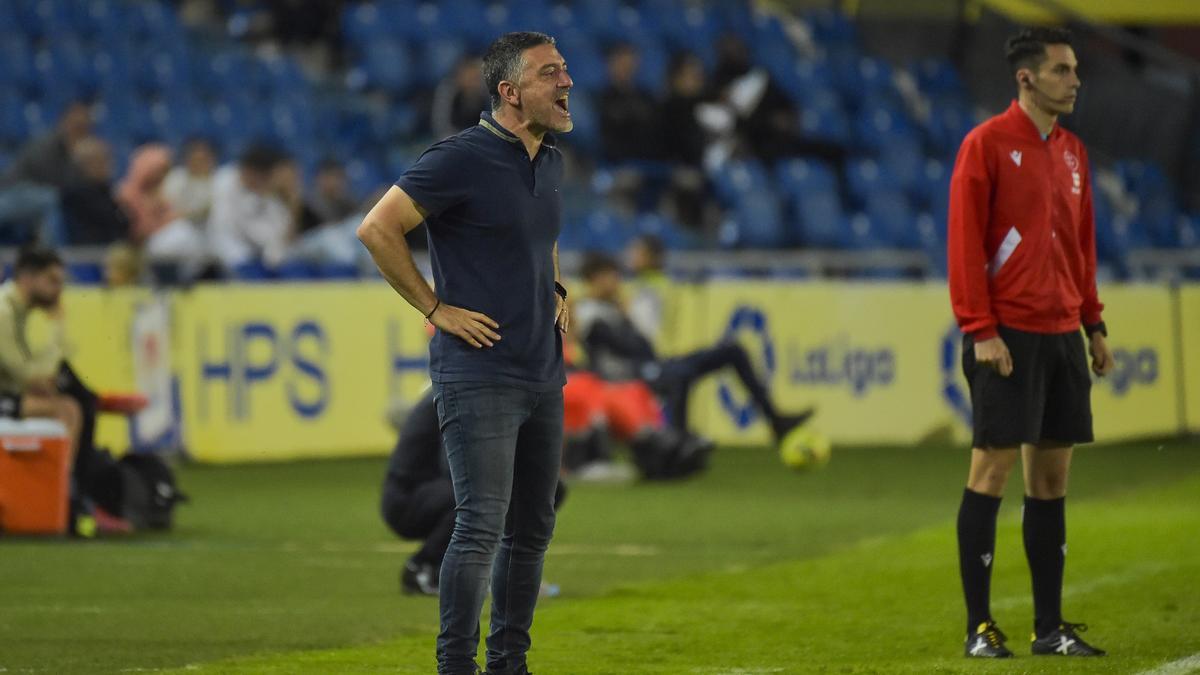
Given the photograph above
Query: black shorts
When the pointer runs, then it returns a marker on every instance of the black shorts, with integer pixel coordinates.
(1047, 398)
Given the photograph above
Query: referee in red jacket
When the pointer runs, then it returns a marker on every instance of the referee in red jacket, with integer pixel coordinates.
(1022, 267)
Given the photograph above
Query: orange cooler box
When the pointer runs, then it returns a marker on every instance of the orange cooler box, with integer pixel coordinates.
(35, 475)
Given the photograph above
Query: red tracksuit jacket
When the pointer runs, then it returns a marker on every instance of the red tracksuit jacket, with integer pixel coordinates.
(1021, 244)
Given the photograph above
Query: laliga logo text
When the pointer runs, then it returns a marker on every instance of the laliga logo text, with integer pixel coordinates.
(1132, 367)
(838, 363)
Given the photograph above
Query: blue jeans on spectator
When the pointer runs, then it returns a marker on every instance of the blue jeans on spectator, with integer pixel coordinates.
(503, 445)
(31, 208)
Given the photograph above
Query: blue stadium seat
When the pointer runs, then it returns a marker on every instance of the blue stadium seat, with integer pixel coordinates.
(820, 221)
(388, 65)
(13, 128)
(692, 27)
(652, 69)
(950, 118)
(833, 27)
(756, 221)
(606, 230)
(739, 177)
(902, 158)
(16, 60)
(1158, 217)
(865, 176)
(861, 234)
(937, 187)
(893, 220)
(438, 58)
(673, 235)
(877, 122)
(938, 76)
(362, 23)
(798, 177)
(823, 117)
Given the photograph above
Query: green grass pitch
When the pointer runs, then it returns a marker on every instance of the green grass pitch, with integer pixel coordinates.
(750, 569)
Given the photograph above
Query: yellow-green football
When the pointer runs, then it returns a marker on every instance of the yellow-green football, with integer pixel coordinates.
(805, 448)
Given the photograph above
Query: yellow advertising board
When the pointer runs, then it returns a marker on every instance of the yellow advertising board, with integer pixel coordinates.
(98, 328)
(271, 372)
(1189, 306)
(874, 359)
(1140, 397)
(278, 372)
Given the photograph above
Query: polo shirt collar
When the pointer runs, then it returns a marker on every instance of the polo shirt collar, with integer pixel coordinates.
(1024, 122)
(490, 124)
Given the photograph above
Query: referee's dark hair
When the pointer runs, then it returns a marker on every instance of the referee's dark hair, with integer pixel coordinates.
(596, 263)
(35, 258)
(1027, 49)
(503, 61)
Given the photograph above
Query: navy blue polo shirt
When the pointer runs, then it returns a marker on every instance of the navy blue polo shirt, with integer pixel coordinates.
(493, 218)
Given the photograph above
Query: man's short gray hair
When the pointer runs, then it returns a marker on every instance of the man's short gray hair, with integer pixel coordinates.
(503, 61)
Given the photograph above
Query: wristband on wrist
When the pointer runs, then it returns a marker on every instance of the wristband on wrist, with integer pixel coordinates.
(435, 307)
(1096, 328)
(561, 290)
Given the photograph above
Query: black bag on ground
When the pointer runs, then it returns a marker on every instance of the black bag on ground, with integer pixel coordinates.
(149, 492)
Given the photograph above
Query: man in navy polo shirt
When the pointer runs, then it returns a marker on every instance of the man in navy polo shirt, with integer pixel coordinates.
(489, 196)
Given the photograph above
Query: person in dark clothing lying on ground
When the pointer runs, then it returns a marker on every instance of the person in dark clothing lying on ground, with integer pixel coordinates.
(616, 350)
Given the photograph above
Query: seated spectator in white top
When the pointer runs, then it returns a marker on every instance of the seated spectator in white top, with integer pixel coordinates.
(189, 185)
(249, 221)
(166, 236)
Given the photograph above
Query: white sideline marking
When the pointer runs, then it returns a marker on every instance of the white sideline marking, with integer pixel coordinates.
(1184, 666)
(1137, 572)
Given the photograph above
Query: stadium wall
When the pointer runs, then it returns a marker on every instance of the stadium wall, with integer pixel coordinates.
(275, 372)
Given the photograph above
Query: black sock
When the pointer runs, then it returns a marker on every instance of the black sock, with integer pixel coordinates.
(976, 544)
(1045, 529)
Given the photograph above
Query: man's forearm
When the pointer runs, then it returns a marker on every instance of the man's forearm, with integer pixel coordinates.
(391, 254)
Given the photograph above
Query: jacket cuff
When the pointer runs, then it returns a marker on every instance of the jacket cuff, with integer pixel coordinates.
(985, 333)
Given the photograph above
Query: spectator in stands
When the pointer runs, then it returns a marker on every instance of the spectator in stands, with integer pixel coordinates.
(682, 136)
(166, 236)
(331, 201)
(684, 141)
(616, 350)
(30, 189)
(767, 121)
(91, 214)
(287, 185)
(49, 159)
(189, 186)
(28, 371)
(249, 221)
(628, 114)
(458, 99)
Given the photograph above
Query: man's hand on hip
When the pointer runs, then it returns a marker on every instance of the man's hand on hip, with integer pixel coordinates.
(1102, 358)
(994, 354)
(562, 317)
(477, 330)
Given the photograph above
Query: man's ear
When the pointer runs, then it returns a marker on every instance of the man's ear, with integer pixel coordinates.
(509, 92)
